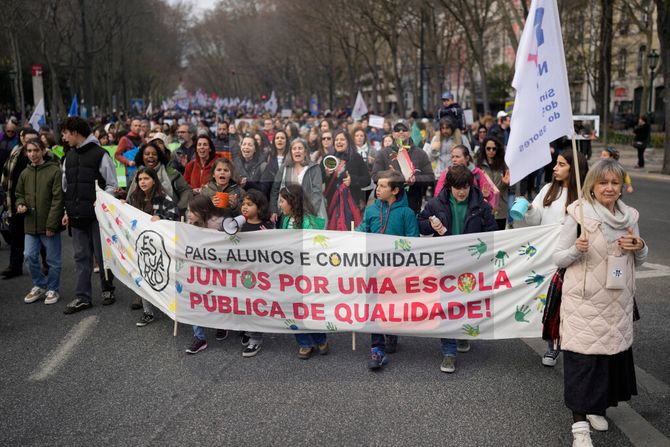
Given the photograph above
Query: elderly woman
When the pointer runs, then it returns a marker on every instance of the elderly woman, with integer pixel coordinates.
(597, 305)
(299, 169)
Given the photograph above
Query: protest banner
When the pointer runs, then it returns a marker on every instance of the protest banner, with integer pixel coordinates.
(484, 286)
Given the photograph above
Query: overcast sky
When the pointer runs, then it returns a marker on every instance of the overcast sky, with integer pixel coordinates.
(199, 6)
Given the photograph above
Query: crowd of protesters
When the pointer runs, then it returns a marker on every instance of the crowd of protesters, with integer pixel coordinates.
(325, 172)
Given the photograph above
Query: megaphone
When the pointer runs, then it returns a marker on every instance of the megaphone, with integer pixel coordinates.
(232, 225)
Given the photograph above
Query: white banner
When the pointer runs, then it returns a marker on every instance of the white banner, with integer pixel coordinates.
(542, 107)
(487, 285)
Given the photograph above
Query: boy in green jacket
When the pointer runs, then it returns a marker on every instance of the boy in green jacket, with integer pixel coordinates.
(39, 196)
(389, 214)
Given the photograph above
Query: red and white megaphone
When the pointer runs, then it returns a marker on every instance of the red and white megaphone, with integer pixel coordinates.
(232, 225)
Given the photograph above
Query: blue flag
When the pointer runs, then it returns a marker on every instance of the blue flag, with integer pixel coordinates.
(74, 107)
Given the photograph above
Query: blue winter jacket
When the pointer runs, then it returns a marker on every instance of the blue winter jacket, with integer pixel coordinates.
(399, 219)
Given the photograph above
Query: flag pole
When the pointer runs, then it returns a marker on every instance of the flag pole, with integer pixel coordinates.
(353, 333)
(174, 330)
(580, 197)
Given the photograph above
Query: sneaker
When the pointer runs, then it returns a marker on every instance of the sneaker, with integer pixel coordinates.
(108, 298)
(197, 345)
(391, 344)
(35, 294)
(377, 360)
(323, 348)
(221, 334)
(136, 303)
(581, 435)
(251, 350)
(550, 357)
(77, 305)
(244, 338)
(448, 365)
(146, 319)
(51, 297)
(96, 269)
(305, 352)
(598, 423)
(462, 345)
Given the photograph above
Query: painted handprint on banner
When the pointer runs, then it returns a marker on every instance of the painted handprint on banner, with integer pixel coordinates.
(499, 258)
(331, 327)
(320, 240)
(521, 313)
(477, 249)
(291, 325)
(541, 302)
(235, 239)
(403, 244)
(472, 331)
(527, 250)
(534, 278)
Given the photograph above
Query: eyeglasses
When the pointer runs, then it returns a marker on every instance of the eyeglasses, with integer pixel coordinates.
(326, 138)
(491, 148)
(400, 129)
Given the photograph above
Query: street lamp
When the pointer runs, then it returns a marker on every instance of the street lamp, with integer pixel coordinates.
(652, 59)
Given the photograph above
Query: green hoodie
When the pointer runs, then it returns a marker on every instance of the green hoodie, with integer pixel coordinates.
(39, 188)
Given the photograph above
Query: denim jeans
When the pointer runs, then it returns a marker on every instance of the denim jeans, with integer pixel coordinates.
(448, 347)
(52, 244)
(307, 340)
(199, 332)
(86, 246)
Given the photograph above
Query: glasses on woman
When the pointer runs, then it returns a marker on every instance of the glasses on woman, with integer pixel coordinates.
(491, 148)
(326, 138)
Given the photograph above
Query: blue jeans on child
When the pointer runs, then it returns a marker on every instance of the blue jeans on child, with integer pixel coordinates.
(448, 347)
(199, 332)
(33, 244)
(307, 340)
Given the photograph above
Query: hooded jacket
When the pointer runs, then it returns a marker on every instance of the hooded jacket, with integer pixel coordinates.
(196, 174)
(253, 170)
(478, 218)
(211, 188)
(398, 219)
(39, 189)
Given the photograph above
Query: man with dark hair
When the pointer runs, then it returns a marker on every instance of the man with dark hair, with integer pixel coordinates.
(186, 150)
(420, 179)
(9, 139)
(500, 130)
(223, 144)
(459, 208)
(85, 163)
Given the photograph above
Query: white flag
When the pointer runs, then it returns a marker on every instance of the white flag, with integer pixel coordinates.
(38, 119)
(542, 107)
(271, 105)
(150, 109)
(360, 108)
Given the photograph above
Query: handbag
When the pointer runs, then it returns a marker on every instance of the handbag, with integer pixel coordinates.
(639, 145)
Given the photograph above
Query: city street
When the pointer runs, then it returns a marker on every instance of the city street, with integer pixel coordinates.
(95, 378)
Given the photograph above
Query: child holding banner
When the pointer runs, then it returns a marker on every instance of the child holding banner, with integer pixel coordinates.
(202, 213)
(298, 213)
(550, 206)
(150, 197)
(389, 214)
(256, 212)
(458, 209)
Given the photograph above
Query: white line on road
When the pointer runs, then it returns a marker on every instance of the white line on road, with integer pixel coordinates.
(638, 430)
(652, 271)
(64, 350)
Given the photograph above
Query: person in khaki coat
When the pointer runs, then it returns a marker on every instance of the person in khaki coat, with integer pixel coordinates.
(596, 326)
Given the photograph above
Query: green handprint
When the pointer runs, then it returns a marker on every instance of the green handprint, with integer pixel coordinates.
(499, 258)
(235, 239)
(472, 331)
(403, 244)
(331, 327)
(521, 313)
(478, 249)
(534, 278)
(291, 325)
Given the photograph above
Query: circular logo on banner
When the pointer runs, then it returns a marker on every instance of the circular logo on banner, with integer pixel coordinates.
(153, 260)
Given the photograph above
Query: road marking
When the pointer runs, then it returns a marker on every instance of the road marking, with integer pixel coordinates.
(59, 356)
(652, 271)
(638, 430)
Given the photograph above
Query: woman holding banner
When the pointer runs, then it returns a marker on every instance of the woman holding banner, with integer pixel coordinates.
(597, 304)
(549, 207)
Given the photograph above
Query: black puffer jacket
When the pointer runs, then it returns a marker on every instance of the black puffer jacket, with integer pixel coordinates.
(478, 219)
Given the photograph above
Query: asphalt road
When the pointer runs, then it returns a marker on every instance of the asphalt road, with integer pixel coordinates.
(123, 385)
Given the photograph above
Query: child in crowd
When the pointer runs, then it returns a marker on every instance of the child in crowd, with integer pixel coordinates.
(389, 214)
(39, 196)
(150, 197)
(256, 210)
(298, 213)
(202, 213)
(612, 152)
(459, 208)
(223, 181)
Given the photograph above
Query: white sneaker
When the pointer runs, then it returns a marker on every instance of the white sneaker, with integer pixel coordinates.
(51, 297)
(35, 294)
(581, 435)
(598, 423)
